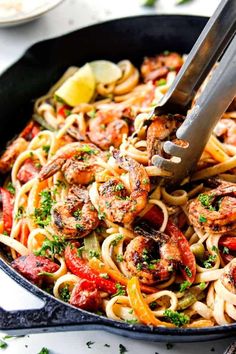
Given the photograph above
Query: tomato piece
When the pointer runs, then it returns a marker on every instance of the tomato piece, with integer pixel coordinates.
(7, 208)
(86, 296)
(27, 171)
(81, 268)
(229, 242)
(188, 268)
(32, 267)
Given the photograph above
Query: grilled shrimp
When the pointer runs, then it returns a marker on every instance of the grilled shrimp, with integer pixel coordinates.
(77, 161)
(107, 129)
(228, 278)
(9, 156)
(157, 67)
(75, 216)
(215, 211)
(115, 201)
(226, 129)
(161, 129)
(152, 261)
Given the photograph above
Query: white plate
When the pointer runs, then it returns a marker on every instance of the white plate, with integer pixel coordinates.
(16, 12)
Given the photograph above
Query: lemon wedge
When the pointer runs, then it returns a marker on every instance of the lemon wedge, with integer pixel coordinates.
(79, 88)
(105, 71)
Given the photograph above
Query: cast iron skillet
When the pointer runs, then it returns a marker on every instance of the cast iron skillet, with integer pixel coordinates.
(32, 76)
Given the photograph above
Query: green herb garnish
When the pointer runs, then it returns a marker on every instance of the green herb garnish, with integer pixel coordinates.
(53, 247)
(44, 351)
(3, 345)
(202, 218)
(20, 213)
(46, 148)
(186, 284)
(10, 188)
(188, 271)
(64, 293)
(42, 215)
(120, 290)
(89, 344)
(177, 318)
(122, 349)
(202, 285)
(119, 258)
(226, 250)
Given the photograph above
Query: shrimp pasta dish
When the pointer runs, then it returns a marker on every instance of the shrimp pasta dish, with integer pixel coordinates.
(87, 217)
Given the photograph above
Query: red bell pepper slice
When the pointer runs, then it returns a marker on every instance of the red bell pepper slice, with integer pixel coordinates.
(229, 242)
(155, 216)
(7, 208)
(80, 267)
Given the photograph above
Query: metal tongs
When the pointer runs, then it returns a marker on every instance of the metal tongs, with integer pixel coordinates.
(213, 101)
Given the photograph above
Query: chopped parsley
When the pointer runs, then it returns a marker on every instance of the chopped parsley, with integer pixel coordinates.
(119, 187)
(139, 266)
(116, 240)
(53, 247)
(86, 148)
(89, 344)
(20, 213)
(42, 215)
(80, 251)
(44, 351)
(79, 227)
(188, 271)
(205, 200)
(145, 181)
(3, 345)
(161, 82)
(202, 218)
(64, 293)
(93, 253)
(46, 148)
(153, 305)
(104, 275)
(122, 349)
(177, 318)
(92, 113)
(215, 249)
(120, 290)
(10, 188)
(119, 258)
(132, 321)
(202, 285)
(208, 263)
(101, 215)
(226, 250)
(186, 284)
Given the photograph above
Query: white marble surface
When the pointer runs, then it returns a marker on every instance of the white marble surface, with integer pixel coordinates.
(71, 15)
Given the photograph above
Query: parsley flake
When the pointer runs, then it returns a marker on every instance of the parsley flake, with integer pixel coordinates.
(177, 318)
(89, 344)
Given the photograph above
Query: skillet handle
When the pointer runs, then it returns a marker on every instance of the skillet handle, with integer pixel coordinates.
(55, 315)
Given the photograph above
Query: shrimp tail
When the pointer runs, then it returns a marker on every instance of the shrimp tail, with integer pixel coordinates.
(50, 169)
